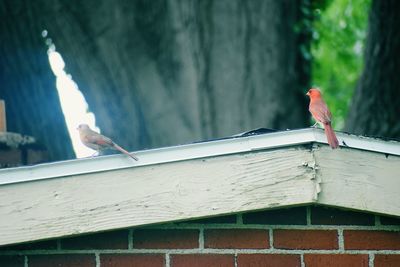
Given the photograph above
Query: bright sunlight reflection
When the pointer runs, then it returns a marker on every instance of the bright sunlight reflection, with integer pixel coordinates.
(73, 103)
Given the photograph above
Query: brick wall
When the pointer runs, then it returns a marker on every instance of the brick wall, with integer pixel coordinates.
(20, 154)
(303, 236)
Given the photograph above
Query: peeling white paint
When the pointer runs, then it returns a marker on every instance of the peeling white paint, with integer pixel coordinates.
(197, 180)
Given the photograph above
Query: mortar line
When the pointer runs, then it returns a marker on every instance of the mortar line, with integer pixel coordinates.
(378, 220)
(167, 260)
(130, 239)
(97, 255)
(278, 226)
(235, 260)
(239, 219)
(302, 263)
(371, 259)
(341, 239)
(308, 214)
(271, 238)
(201, 238)
(198, 250)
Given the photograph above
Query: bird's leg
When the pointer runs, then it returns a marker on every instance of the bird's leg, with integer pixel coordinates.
(315, 125)
(96, 153)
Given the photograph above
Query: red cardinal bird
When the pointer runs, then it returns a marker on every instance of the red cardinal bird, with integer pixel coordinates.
(319, 110)
(99, 142)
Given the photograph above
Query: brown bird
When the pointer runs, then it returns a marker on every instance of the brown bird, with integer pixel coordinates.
(319, 110)
(99, 142)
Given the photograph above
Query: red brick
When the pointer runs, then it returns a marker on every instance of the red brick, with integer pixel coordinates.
(35, 156)
(268, 260)
(107, 240)
(62, 260)
(334, 260)
(202, 260)
(363, 239)
(236, 238)
(292, 216)
(12, 261)
(132, 260)
(165, 239)
(386, 220)
(10, 157)
(49, 244)
(387, 261)
(305, 239)
(212, 220)
(331, 216)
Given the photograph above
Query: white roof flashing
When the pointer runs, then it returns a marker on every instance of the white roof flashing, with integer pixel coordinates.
(192, 151)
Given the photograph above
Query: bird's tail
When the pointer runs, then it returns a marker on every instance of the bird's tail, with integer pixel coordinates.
(117, 147)
(331, 136)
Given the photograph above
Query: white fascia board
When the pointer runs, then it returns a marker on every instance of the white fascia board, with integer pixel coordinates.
(162, 193)
(191, 151)
(361, 142)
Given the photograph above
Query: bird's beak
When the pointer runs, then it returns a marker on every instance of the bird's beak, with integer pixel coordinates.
(308, 93)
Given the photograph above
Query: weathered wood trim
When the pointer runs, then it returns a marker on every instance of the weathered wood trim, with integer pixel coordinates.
(158, 193)
(191, 151)
(361, 180)
(198, 180)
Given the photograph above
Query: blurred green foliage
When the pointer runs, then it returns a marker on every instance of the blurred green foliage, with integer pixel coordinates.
(339, 32)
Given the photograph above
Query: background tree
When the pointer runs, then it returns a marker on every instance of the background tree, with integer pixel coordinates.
(177, 71)
(339, 32)
(375, 108)
(26, 81)
(166, 72)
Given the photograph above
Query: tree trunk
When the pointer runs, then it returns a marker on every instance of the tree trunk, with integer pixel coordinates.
(166, 72)
(162, 72)
(375, 109)
(26, 82)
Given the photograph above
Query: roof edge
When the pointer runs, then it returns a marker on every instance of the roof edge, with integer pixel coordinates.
(192, 151)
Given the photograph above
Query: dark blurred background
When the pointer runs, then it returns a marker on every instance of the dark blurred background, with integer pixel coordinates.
(167, 72)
